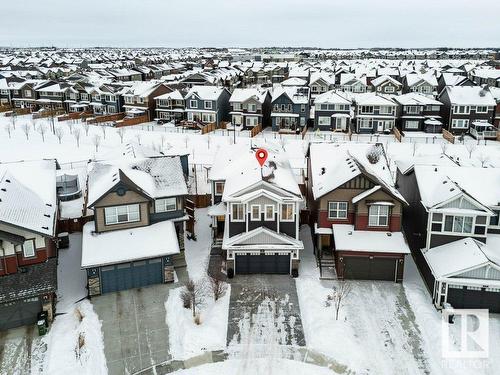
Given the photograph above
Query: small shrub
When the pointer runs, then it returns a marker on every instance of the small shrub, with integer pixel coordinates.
(373, 154)
(197, 319)
(186, 299)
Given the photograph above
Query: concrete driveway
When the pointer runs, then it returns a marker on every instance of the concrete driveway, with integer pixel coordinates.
(264, 310)
(134, 328)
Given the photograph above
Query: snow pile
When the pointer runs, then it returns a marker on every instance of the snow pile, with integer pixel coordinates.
(186, 338)
(74, 344)
(269, 366)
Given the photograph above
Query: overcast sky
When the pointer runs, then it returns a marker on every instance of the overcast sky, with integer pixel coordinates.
(251, 23)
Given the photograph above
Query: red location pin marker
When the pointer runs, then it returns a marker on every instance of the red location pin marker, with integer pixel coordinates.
(261, 156)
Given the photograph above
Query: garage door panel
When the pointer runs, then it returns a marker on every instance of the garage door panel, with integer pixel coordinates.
(19, 313)
(366, 268)
(464, 298)
(261, 263)
(383, 269)
(131, 275)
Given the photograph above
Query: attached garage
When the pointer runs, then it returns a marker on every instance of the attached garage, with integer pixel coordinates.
(19, 313)
(467, 297)
(266, 263)
(131, 275)
(369, 267)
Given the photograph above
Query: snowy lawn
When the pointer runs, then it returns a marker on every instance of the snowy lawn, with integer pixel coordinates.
(269, 366)
(197, 252)
(186, 338)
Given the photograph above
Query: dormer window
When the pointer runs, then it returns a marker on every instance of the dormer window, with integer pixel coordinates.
(378, 216)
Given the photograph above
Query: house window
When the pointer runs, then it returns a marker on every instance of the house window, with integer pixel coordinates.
(323, 120)
(378, 216)
(461, 109)
(27, 93)
(208, 104)
(494, 220)
(236, 106)
(29, 248)
(481, 109)
(411, 124)
(337, 210)
(219, 188)
(366, 109)
(255, 212)
(237, 212)
(386, 110)
(269, 212)
(460, 123)
(458, 224)
(165, 204)
(412, 109)
(287, 212)
(252, 108)
(122, 214)
(389, 89)
(193, 104)
(365, 123)
(128, 99)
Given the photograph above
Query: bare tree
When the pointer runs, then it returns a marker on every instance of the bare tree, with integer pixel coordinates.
(340, 292)
(71, 126)
(59, 133)
(8, 129)
(13, 119)
(471, 146)
(77, 133)
(42, 129)
(194, 292)
(483, 159)
(138, 137)
(26, 130)
(86, 127)
(121, 133)
(96, 141)
(104, 128)
(218, 287)
(163, 137)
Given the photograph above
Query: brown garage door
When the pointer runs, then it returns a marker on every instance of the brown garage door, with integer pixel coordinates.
(366, 268)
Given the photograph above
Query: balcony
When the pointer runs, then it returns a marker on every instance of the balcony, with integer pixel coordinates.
(483, 130)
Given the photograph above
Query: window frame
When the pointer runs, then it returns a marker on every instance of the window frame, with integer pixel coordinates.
(191, 103)
(282, 206)
(32, 241)
(166, 205)
(216, 184)
(267, 218)
(252, 217)
(337, 210)
(241, 209)
(378, 215)
(128, 213)
(207, 104)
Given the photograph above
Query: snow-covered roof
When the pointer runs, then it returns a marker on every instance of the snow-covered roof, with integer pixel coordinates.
(174, 95)
(440, 184)
(414, 98)
(385, 79)
(332, 165)
(156, 177)
(332, 97)
(118, 246)
(294, 81)
(242, 95)
(28, 195)
(371, 98)
(348, 239)
(205, 92)
(298, 95)
(457, 257)
(470, 95)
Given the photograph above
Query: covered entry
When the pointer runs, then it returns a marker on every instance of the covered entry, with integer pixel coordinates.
(262, 263)
(131, 275)
(19, 313)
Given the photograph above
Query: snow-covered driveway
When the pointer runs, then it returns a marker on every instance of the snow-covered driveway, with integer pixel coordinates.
(263, 312)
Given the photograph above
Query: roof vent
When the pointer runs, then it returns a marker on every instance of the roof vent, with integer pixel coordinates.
(435, 169)
(48, 204)
(46, 228)
(7, 180)
(452, 189)
(389, 234)
(323, 170)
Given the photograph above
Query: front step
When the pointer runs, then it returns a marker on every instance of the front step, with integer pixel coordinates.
(179, 260)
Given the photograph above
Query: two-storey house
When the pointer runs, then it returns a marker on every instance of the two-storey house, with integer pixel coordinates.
(250, 107)
(374, 113)
(207, 104)
(170, 107)
(418, 113)
(262, 214)
(51, 95)
(466, 108)
(332, 111)
(137, 235)
(23, 94)
(290, 108)
(139, 99)
(28, 253)
(424, 84)
(350, 82)
(386, 85)
(106, 99)
(321, 83)
(357, 212)
(454, 233)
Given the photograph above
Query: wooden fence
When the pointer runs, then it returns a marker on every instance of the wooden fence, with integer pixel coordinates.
(73, 116)
(397, 134)
(448, 136)
(256, 130)
(208, 128)
(132, 121)
(201, 201)
(106, 118)
(5, 108)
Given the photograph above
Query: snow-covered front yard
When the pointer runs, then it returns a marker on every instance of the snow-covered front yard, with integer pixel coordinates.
(384, 328)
